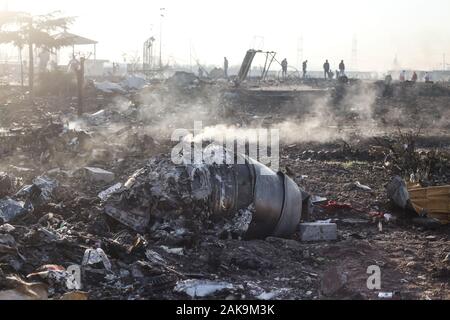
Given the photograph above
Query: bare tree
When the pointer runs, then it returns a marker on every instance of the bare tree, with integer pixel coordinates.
(22, 29)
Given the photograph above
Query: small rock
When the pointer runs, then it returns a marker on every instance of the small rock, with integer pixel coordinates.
(99, 175)
(306, 254)
(5, 184)
(318, 232)
(333, 280)
(7, 228)
(427, 223)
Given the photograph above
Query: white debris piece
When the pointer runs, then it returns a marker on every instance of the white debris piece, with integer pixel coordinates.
(109, 87)
(7, 228)
(324, 221)
(99, 175)
(272, 294)
(318, 232)
(59, 274)
(176, 251)
(261, 294)
(155, 257)
(97, 118)
(134, 82)
(318, 199)
(385, 295)
(446, 259)
(104, 195)
(94, 256)
(362, 187)
(201, 288)
(100, 113)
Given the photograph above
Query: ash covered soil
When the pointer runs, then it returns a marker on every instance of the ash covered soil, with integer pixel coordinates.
(412, 254)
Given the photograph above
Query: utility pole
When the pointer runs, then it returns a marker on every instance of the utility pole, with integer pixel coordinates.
(162, 11)
(150, 54)
(21, 65)
(190, 55)
(444, 64)
(31, 58)
(396, 63)
(80, 85)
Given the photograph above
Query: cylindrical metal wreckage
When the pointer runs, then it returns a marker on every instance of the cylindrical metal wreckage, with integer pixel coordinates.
(256, 201)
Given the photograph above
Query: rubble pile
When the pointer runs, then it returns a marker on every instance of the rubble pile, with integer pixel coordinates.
(239, 195)
(403, 157)
(94, 208)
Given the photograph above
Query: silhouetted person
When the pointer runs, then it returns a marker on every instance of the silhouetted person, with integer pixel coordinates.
(342, 68)
(284, 68)
(414, 77)
(74, 64)
(44, 58)
(326, 69)
(225, 67)
(305, 67)
(388, 80)
(388, 90)
(403, 76)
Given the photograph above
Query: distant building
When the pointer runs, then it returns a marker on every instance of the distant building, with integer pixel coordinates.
(95, 68)
(440, 75)
(436, 75)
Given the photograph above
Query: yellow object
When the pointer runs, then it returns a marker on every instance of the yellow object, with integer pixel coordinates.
(434, 201)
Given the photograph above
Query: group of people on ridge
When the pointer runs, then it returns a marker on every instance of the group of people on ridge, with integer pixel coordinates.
(328, 74)
(414, 77)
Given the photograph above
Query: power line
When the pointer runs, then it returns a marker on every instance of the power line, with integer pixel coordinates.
(162, 12)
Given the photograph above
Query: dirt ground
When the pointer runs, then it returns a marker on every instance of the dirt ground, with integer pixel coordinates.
(37, 140)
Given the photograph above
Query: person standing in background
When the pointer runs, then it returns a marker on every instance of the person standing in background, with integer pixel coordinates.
(225, 67)
(326, 69)
(284, 68)
(305, 67)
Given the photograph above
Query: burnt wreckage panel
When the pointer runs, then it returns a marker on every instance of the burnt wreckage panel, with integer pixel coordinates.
(248, 200)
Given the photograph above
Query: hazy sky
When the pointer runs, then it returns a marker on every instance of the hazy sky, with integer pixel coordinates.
(418, 31)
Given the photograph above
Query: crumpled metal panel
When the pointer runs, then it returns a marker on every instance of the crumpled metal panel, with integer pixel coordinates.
(278, 204)
(277, 199)
(251, 199)
(292, 209)
(268, 199)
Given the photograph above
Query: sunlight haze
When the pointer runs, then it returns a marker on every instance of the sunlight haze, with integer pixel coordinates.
(417, 31)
